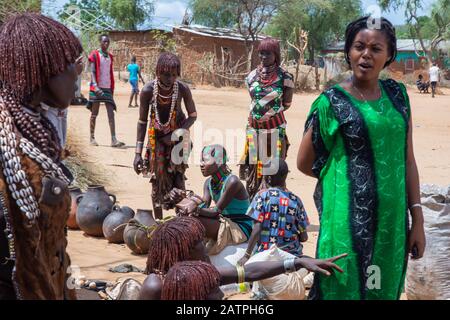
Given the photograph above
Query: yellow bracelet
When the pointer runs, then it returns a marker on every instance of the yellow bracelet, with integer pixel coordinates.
(241, 274)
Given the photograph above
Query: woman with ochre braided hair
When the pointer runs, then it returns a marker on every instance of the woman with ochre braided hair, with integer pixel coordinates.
(198, 280)
(161, 106)
(180, 240)
(358, 144)
(271, 89)
(38, 65)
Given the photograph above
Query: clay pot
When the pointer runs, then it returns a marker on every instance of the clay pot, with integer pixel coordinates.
(94, 206)
(137, 232)
(72, 220)
(116, 222)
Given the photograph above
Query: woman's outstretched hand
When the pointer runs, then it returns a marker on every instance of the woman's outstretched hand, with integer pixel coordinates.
(323, 266)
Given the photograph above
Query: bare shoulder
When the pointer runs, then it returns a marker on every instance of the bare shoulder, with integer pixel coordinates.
(235, 183)
(151, 288)
(234, 180)
(183, 87)
(148, 88)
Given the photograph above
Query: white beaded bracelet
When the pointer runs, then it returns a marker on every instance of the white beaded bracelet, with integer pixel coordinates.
(415, 205)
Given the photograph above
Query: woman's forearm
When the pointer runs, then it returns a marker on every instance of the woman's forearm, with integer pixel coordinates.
(189, 122)
(262, 270)
(207, 213)
(256, 232)
(413, 189)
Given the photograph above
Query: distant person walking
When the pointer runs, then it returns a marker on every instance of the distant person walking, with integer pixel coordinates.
(434, 78)
(102, 89)
(134, 70)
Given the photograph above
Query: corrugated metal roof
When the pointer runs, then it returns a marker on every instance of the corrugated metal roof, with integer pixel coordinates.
(402, 45)
(215, 32)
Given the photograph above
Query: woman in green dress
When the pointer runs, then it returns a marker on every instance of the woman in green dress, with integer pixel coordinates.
(358, 144)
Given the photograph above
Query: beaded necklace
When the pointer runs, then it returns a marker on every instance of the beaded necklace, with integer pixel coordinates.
(15, 176)
(267, 75)
(104, 54)
(218, 179)
(156, 86)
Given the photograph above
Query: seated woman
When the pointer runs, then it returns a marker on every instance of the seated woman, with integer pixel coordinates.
(181, 239)
(198, 280)
(226, 223)
(178, 239)
(422, 86)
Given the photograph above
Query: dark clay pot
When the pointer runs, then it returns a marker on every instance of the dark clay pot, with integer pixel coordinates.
(115, 223)
(136, 233)
(72, 220)
(95, 205)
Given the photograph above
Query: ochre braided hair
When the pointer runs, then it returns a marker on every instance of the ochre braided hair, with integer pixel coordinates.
(190, 280)
(172, 241)
(167, 62)
(33, 48)
(272, 45)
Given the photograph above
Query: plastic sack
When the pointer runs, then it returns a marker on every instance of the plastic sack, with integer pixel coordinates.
(125, 289)
(429, 277)
(229, 256)
(288, 286)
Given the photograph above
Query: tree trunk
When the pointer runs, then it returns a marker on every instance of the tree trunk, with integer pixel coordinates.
(249, 49)
(316, 70)
(297, 69)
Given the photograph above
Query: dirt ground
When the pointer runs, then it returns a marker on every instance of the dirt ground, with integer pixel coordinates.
(223, 111)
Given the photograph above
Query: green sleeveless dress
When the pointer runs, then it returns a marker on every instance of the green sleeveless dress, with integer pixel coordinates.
(361, 150)
(236, 209)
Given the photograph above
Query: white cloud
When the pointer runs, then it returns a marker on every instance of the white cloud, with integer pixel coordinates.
(172, 11)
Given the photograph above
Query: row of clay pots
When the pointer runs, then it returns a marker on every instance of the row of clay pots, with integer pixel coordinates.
(97, 215)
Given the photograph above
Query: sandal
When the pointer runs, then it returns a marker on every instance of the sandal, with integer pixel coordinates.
(93, 142)
(117, 144)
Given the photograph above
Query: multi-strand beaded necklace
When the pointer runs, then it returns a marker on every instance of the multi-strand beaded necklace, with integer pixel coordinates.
(219, 178)
(15, 176)
(155, 120)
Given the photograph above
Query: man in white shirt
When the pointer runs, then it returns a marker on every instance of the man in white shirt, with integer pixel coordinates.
(434, 78)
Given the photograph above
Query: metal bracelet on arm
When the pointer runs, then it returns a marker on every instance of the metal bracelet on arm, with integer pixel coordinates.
(139, 147)
(289, 265)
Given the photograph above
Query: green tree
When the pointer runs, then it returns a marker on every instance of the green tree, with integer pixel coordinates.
(435, 28)
(213, 13)
(8, 7)
(84, 15)
(325, 21)
(128, 14)
(248, 17)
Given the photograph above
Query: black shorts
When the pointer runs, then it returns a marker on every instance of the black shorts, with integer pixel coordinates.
(433, 84)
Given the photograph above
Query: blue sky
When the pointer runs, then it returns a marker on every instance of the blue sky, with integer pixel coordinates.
(171, 12)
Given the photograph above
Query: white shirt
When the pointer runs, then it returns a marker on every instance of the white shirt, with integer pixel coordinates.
(434, 74)
(104, 80)
(58, 118)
